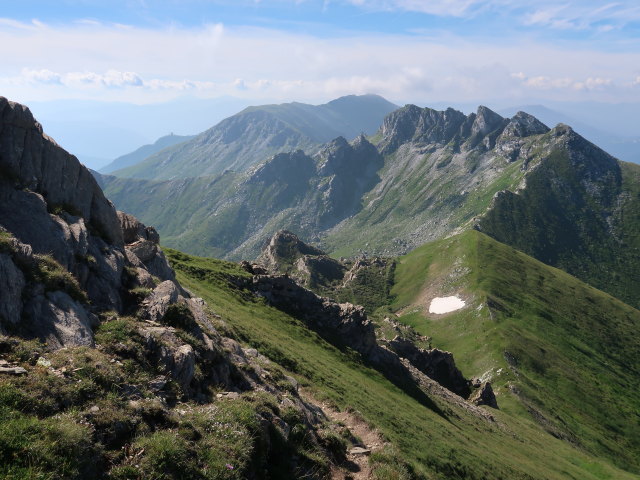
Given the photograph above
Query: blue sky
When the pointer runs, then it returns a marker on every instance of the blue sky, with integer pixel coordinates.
(419, 51)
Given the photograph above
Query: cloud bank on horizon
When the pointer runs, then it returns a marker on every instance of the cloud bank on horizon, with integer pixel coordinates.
(280, 50)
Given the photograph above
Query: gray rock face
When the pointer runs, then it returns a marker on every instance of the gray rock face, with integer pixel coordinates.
(53, 207)
(52, 203)
(36, 162)
(58, 320)
(424, 125)
(436, 364)
(11, 284)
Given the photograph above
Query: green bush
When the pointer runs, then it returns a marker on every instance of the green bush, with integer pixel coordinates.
(5, 242)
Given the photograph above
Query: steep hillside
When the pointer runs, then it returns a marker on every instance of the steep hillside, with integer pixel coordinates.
(580, 211)
(256, 133)
(553, 347)
(109, 368)
(143, 152)
(445, 439)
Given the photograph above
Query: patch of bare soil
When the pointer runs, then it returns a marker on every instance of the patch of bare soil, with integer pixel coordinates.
(356, 466)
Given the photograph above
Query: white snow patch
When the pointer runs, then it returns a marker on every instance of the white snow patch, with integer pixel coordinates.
(446, 304)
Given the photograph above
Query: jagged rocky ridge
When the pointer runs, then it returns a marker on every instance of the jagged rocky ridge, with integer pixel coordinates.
(239, 211)
(436, 173)
(347, 325)
(431, 173)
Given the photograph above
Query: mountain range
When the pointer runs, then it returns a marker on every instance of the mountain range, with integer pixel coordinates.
(250, 136)
(425, 174)
(416, 338)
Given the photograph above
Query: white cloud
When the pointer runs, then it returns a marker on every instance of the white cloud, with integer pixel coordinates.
(41, 76)
(584, 14)
(543, 82)
(569, 14)
(146, 65)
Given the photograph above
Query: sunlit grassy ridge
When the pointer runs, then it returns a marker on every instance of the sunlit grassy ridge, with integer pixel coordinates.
(568, 351)
(456, 445)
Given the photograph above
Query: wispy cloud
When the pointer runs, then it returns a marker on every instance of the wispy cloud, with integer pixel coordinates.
(568, 14)
(543, 82)
(454, 8)
(110, 62)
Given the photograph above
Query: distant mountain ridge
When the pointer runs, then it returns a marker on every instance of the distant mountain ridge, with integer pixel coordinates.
(143, 152)
(425, 174)
(252, 135)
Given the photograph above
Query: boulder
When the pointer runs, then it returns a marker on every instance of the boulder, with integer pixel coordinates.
(158, 302)
(57, 319)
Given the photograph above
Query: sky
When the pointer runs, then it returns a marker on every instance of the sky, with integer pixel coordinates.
(409, 51)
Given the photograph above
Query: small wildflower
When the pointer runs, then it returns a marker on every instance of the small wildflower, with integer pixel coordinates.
(229, 466)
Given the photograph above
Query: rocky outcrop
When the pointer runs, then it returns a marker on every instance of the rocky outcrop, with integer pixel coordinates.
(341, 324)
(287, 254)
(484, 396)
(282, 251)
(35, 162)
(424, 125)
(347, 325)
(65, 253)
(436, 364)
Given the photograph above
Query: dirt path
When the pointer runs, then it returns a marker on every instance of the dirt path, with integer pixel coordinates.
(356, 467)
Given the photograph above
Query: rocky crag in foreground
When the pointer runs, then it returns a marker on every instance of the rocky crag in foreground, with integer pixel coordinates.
(108, 367)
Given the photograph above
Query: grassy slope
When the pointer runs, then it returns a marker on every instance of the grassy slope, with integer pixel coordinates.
(423, 200)
(573, 350)
(454, 446)
(581, 215)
